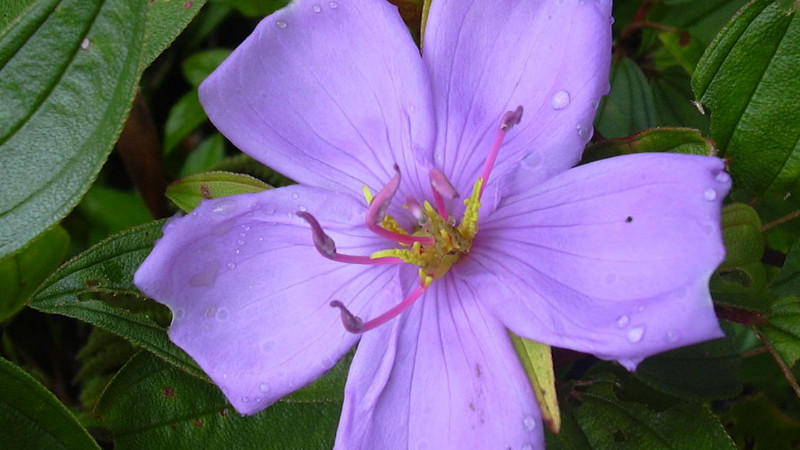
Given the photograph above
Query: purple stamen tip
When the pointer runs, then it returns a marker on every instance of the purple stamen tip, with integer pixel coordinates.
(351, 323)
(511, 118)
(324, 244)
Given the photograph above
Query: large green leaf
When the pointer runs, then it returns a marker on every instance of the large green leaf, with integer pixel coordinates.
(151, 405)
(165, 20)
(32, 417)
(601, 420)
(68, 72)
(748, 77)
(707, 371)
(12, 10)
(783, 329)
(188, 192)
(629, 107)
(23, 272)
(81, 289)
(669, 140)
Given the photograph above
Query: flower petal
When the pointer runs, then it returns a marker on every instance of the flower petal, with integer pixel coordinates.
(331, 94)
(612, 258)
(249, 292)
(550, 56)
(442, 375)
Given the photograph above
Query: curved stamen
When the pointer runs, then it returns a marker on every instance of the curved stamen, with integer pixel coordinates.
(442, 188)
(510, 118)
(354, 324)
(327, 247)
(378, 206)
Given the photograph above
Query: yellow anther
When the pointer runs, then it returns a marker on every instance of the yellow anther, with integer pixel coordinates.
(367, 194)
(469, 223)
(390, 224)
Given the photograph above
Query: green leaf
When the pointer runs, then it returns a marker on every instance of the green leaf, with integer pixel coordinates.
(741, 232)
(758, 424)
(674, 101)
(783, 329)
(200, 65)
(748, 79)
(13, 10)
(604, 421)
(108, 268)
(165, 20)
(669, 140)
(537, 361)
(113, 210)
(682, 48)
(787, 282)
(205, 157)
(629, 107)
(707, 371)
(22, 272)
(68, 73)
(186, 115)
(256, 8)
(32, 417)
(702, 19)
(188, 192)
(151, 405)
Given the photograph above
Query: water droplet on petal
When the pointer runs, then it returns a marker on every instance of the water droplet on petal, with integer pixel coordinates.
(246, 228)
(281, 24)
(263, 387)
(723, 177)
(611, 20)
(529, 423)
(295, 196)
(533, 160)
(672, 336)
(710, 194)
(246, 399)
(584, 132)
(210, 312)
(560, 100)
(316, 8)
(224, 207)
(222, 314)
(623, 321)
(178, 314)
(240, 242)
(333, 5)
(231, 265)
(635, 334)
(303, 208)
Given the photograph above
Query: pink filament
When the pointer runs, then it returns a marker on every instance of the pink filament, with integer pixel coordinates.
(510, 118)
(327, 248)
(442, 188)
(354, 324)
(377, 208)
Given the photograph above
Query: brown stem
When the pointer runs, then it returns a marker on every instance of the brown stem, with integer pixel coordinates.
(787, 372)
(780, 221)
(754, 352)
(140, 151)
(738, 315)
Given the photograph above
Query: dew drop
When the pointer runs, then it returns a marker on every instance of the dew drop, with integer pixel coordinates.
(222, 314)
(672, 336)
(529, 423)
(289, 215)
(246, 228)
(640, 308)
(295, 196)
(224, 207)
(584, 132)
(231, 265)
(635, 334)
(246, 399)
(333, 5)
(210, 312)
(303, 208)
(85, 44)
(178, 314)
(611, 20)
(710, 194)
(560, 100)
(723, 177)
(316, 8)
(623, 321)
(240, 242)
(281, 24)
(263, 387)
(533, 160)
(237, 251)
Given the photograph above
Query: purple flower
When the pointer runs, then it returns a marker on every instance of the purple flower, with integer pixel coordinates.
(611, 258)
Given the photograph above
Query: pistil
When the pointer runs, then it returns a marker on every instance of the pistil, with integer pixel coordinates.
(354, 324)
(327, 247)
(377, 208)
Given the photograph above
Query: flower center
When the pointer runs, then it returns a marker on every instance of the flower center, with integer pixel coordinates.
(435, 245)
